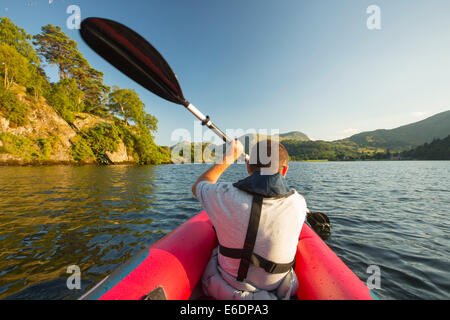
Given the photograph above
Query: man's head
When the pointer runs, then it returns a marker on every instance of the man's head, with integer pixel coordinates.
(268, 157)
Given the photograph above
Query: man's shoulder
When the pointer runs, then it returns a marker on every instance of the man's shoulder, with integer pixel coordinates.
(299, 199)
(220, 189)
(299, 195)
(228, 190)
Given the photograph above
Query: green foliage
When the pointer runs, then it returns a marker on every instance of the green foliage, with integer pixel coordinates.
(126, 103)
(147, 151)
(18, 146)
(295, 135)
(80, 89)
(439, 149)
(47, 145)
(13, 109)
(14, 68)
(58, 49)
(197, 158)
(165, 155)
(405, 137)
(385, 155)
(17, 38)
(101, 139)
(150, 122)
(26, 71)
(27, 148)
(320, 150)
(38, 84)
(95, 92)
(65, 98)
(95, 142)
(81, 151)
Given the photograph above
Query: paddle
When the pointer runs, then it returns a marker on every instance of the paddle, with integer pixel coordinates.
(139, 60)
(320, 223)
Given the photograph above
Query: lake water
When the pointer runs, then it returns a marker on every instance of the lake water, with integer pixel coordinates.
(390, 214)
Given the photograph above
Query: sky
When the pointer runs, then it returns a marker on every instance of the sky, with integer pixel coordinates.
(290, 65)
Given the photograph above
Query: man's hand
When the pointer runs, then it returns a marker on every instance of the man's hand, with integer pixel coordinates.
(234, 151)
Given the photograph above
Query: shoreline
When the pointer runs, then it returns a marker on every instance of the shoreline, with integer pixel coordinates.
(46, 163)
(18, 163)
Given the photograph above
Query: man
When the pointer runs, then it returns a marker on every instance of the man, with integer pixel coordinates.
(258, 222)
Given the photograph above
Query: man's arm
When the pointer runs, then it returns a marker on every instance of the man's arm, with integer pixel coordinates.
(213, 174)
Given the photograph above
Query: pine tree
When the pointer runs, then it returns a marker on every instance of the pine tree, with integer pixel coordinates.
(17, 38)
(90, 81)
(58, 49)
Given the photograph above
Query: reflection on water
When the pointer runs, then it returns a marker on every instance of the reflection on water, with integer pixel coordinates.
(93, 217)
(392, 214)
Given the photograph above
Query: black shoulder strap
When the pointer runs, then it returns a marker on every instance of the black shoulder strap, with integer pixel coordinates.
(246, 254)
(250, 238)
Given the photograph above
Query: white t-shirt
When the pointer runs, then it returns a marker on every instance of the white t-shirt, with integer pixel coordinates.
(281, 221)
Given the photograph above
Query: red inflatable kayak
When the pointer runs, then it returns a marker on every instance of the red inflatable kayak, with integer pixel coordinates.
(172, 268)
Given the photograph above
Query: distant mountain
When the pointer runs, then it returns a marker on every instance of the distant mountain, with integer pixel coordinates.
(294, 135)
(366, 145)
(439, 149)
(408, 136)
(247, 140)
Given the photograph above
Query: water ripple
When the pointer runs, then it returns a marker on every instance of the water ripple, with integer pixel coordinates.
(390, 214)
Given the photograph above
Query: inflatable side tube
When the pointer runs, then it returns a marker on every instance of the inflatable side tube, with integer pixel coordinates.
(171, 268)
(322, 275)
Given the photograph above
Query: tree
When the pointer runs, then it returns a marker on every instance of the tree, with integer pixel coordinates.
(66, 98)
(147, 150)
(17, 38)
(59, 49)
(126, 103)
(90, 81)
(12, 108)
(438, 149)
(38, 83)
(14, 67)
(150, 122)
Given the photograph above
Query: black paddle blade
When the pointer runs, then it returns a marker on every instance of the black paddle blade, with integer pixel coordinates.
(320, 224)
(134, 56)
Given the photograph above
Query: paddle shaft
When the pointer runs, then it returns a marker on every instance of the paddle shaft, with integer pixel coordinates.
(206, 121)
(138, 59)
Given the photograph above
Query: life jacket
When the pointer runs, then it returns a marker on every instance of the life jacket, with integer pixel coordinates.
(260, 187)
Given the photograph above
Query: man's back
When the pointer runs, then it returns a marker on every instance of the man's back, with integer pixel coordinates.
(279, 228)
(258, 221)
